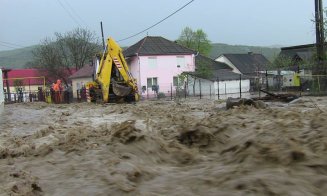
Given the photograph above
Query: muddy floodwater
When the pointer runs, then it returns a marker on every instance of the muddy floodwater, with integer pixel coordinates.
(193, 147)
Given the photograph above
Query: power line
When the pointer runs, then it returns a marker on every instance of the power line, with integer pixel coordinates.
(157, 22)
(75, 13)
(68, 12)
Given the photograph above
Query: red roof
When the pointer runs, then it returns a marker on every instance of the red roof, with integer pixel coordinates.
(29, 76)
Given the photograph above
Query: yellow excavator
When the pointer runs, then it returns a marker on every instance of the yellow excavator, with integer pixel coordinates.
(113, 81)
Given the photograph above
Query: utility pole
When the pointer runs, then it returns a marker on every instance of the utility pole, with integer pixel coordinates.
(320, 37)
(103, 44)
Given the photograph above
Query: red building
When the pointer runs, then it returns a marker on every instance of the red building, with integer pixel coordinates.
(29, 79)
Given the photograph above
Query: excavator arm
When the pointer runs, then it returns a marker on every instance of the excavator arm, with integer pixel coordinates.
(113, 74)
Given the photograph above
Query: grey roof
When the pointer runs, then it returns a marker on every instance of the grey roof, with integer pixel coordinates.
(85, 72)
(227, 75)
(248, 63)
(221, 75)
(218, 70)
(306, 56)
(302, 52)
(155, 45)
(201, 60)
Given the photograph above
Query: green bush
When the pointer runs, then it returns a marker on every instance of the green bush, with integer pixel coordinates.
(161, 95)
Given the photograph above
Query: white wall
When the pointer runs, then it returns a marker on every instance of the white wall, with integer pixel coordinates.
(232, 86)
(206, 86)
(134, 68)
(30, 88)
(1, 95)
(225, 87)
(1, 88)
(77, 84)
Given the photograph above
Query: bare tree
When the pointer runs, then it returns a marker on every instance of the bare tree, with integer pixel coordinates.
(72, 50)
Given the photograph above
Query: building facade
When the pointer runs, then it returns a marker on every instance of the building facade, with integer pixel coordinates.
(156, 62)
(80, 78)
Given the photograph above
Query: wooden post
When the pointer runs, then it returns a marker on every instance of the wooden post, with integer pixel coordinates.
(267, 86)
(200, 87)
(217, 88)
(171, 91)
(225, 89)
(240, 85)
(318, 85)
(185, 86)
(210, 91)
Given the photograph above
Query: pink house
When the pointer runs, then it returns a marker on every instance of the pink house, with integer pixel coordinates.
(156, 62)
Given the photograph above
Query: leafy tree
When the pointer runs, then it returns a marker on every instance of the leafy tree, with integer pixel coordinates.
(60, 55)
(202, 43)
(187, 38)
(281, 62)
(196, 40)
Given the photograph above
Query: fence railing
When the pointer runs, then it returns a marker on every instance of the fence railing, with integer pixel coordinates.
(314, 84)
(39, 96)
(244, 88)
(205, 89)
(17, 97)
(247, 87)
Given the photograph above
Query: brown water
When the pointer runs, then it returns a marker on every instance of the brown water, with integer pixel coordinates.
(164, 148)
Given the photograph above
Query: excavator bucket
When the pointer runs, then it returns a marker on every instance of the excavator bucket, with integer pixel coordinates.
(121, 90)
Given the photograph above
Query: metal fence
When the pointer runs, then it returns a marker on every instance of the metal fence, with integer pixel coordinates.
(199, 88)
(314, 85)
(247, 87)
(40, 95)
(24, 96)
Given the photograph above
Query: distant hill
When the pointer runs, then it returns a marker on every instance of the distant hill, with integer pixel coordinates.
(18, 58)
(218, 49)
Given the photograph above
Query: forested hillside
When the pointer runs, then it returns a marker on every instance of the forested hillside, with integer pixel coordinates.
(218, 49)
(20, 58)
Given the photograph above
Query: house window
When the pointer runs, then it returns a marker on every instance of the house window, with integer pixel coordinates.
(151, 82)
(152, 62)
(181, 61)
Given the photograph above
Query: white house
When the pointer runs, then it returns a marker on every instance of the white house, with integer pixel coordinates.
(81, 77)
(247, 64)
(221, 80)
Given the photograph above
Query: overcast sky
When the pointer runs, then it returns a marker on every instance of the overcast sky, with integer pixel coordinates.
(244, 22)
